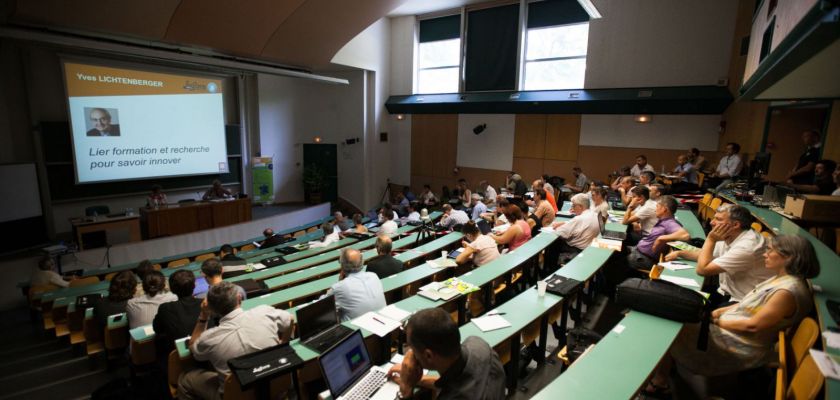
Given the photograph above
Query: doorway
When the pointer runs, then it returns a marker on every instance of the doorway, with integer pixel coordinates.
(783, 134)
(320, 173)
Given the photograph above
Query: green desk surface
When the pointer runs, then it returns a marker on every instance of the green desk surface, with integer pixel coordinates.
(519, 311)
(312, 257)
(622, 360)
(181, 346)
(585, 264)
(73, 291)
(503, 264)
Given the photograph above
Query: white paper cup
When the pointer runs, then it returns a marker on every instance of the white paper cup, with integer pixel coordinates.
(541, 285)
(443, 254)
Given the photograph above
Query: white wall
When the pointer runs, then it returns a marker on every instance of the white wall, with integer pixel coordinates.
(493, 148)
(659, 43)
(675, 132)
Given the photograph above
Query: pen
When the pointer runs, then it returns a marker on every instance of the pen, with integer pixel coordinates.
(378, 320)
(496, 313)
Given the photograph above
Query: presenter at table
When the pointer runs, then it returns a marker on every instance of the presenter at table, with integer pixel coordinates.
(157, 197)
(217, 192)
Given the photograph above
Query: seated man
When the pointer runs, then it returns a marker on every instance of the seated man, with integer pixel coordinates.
(413, 215)
(330, 237)
(581, 181)
(640, 166)
(176, 319)
(478, 206)
(625, 185)
(385, 264)
(667, 229)
(656, 191)
(733, 251)
(640, 214)
(228, 253)
(823, 182)
(409, 194)
(341, 222)
(729, 166)
(427, 197)
(452, 217)
(488, 192)
(357, 291)
(401, 204)
(687, 176)
(468, 370)
(212, 271)
(271, 239)
(239, 332)
(647, 178)
(388, 226)
(576, 233)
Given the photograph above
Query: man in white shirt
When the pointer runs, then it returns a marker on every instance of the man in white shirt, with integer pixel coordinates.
(357, 291)
(489, 192)
(641, 213)
(478, 207)
(413, 215)
(732, 250)
(388, 226)
(576, 233)
(729, 166)
(581, 181)
(452, 217)
(44, 275)
(239, 332)
(330, 236)
(641, 165)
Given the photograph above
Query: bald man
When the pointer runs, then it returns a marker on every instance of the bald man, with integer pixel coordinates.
(357, 291)
(102, 125)
(384, 265)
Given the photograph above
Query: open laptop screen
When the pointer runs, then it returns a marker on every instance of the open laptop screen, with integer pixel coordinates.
(316, 317)
(345, 363)
(201, 286)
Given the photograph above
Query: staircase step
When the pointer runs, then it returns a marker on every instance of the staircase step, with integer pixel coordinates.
(36, 360)
(48, 372)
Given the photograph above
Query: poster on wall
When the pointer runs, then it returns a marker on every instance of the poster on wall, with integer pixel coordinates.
(263, 177)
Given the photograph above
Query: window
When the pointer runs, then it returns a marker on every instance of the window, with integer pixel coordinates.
(555, 57)
(439, 55)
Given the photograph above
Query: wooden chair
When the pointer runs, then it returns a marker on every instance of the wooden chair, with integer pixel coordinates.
(806, 382)
(110, 276)
(206, 256)
(84, 281)
(703, 205)
(277, 387)
(116, 338)
(93, 337)
(766, 234)
(781, 369)
(174, 367)
(178, 263)
(299, 233)
(248, 247)
(713, 206)
(76, 325)
(312, 229)
(802, 341)
(756, 227)
(59, 318)
(34, 300)
(142, 353)
(156, 267)
(700, 178)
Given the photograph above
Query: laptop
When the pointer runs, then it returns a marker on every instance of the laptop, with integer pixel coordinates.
(201, 286)
(319, 326)
(350, 374)
(614, 235)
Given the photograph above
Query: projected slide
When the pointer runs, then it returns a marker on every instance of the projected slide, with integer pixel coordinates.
(130, 124)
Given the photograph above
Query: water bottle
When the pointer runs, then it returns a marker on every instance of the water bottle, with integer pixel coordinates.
(95, 216)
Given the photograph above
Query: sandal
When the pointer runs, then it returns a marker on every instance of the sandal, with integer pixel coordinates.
(656, 391)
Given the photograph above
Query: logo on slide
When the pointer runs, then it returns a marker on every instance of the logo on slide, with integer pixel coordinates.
(222, 166)
(212, 87)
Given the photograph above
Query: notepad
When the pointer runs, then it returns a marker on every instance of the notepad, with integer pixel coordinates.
(675, 266)
(490, 322)
(827, 364)
(375, 323)
(395, 313)
(680, 280)
(546, 229)
(832, 339)
(442, 263)
(683, 246)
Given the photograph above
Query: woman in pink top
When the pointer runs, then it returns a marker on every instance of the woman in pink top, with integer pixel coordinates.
(481, 248)
(519, 231)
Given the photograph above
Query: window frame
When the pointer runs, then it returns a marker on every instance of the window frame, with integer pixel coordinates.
(523, 61)
(416, 69)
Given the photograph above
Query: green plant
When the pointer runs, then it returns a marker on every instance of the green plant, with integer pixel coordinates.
(314, 178)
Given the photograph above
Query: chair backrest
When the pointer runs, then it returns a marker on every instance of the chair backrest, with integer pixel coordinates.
(177, 263)
(766, 234)
(143, 353)
(299, 233)
(700, 178)
(248, 247)
(84, 281)
(806, 382)
(312, 229)
(713, 206)
(205, 256)
(804, 338)
(39, 289)
(116, 337)
(756, 226)
(97, 210)
(781, 383)
(110, 276)
(174, 366)
(156, 267)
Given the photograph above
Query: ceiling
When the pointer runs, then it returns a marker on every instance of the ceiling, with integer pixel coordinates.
(420, 7)
(299, 33)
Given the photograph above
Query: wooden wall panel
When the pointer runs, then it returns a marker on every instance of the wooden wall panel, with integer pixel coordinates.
(784, 138)
(562, 133)
(529, 136)
(744, 125)
(433, 144)
(528, 168)
(561, 168)
(831, 144)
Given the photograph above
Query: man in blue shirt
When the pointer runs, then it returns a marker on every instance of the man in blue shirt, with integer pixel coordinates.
(667, 229)
(478, 207)
(357, 291)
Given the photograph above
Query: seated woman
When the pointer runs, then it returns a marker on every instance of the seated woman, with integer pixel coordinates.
(142, 310)
(481, 248)
(330, 236)
(599, 202)
(358, 227)
(121, 289)
(518, 233)
(742, 335)
(157, 197)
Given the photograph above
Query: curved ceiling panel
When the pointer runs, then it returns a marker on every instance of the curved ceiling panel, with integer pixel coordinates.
(148, 19)
(230, 26)
(319, 28)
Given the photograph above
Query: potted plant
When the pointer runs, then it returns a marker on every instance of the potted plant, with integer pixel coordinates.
(314, 182)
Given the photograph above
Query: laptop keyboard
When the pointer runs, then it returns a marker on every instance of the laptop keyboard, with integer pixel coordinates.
(367, 386)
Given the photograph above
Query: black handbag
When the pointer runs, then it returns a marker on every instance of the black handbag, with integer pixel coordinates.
(264, 364)
(666, 300)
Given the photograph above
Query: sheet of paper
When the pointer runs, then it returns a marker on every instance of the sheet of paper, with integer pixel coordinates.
(680, 280)
(234, 268)
(501, 228)
(490, 322)
(378, 324)
(832, 339)
(827, 364)
(442, 263)
(546, 229)
(258, 266)
(675, 265)
(148, 330)
(395, 313)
